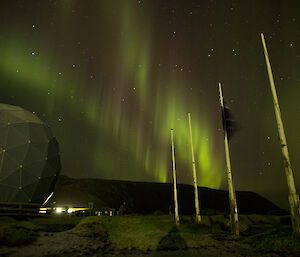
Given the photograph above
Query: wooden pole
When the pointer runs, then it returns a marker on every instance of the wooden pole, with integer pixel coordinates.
(293, 196)
(198, 217)
(232, 198)
(175, 183)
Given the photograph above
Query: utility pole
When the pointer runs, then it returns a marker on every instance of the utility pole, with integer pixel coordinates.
(175, 183)
(232, 198)
(293, 196)
(198, 217)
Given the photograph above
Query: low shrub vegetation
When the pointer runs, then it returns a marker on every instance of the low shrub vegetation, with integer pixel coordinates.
(157, 232)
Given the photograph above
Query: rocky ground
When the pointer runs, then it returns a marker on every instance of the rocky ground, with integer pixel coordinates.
(67, 244)
(150, 235)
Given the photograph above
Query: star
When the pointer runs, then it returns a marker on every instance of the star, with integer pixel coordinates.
(154, 60)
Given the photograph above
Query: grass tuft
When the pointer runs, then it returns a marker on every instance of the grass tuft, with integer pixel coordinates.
(91, 229)
(172, 241)
(283, 240)
(16, 234)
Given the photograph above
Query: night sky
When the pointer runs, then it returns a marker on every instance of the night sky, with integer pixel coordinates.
(111, 77)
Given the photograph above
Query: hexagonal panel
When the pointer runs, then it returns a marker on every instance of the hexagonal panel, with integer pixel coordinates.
(29, 157)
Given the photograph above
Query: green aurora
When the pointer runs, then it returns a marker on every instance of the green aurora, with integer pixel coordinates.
(108, 114)
(112, 78)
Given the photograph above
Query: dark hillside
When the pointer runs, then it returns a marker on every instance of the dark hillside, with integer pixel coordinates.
(146, 198)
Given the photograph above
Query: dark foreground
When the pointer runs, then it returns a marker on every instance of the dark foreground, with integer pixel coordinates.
(146, 236)
(64, 244)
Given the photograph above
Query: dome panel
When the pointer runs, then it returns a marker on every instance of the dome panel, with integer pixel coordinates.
(3, 119)
(18, 153)
(8, 107)
(23, 116)
(29, 158)
(35, 168)
(28, 178)
(20, 196)
(9, 165)
(7, 193)
(31, 189)
(3, 135)
(37, 133)
(13, 180)
(34, 154)
(41, 147)
(15, 137)
(6, 118)
(22, 128)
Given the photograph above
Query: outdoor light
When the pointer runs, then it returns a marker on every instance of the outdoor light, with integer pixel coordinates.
(43, 210)
(58, 210)
(48, 198)
(70, 210)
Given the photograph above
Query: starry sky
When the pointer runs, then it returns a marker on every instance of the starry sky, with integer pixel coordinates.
(112, 77)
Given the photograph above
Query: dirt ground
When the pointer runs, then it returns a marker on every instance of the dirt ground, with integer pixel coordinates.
(66, 244)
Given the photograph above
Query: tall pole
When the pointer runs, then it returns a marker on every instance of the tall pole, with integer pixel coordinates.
(293, 196)
(198, 217)
(175, 183)
(232, 198)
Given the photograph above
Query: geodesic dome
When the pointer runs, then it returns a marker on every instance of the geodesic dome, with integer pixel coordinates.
(29, 157)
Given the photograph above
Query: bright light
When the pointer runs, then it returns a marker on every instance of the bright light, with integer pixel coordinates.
(58, 210)
(48, 198)
(70, 210)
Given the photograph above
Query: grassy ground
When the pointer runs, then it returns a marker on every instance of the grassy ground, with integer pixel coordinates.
(21, 231)
(150, 232)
